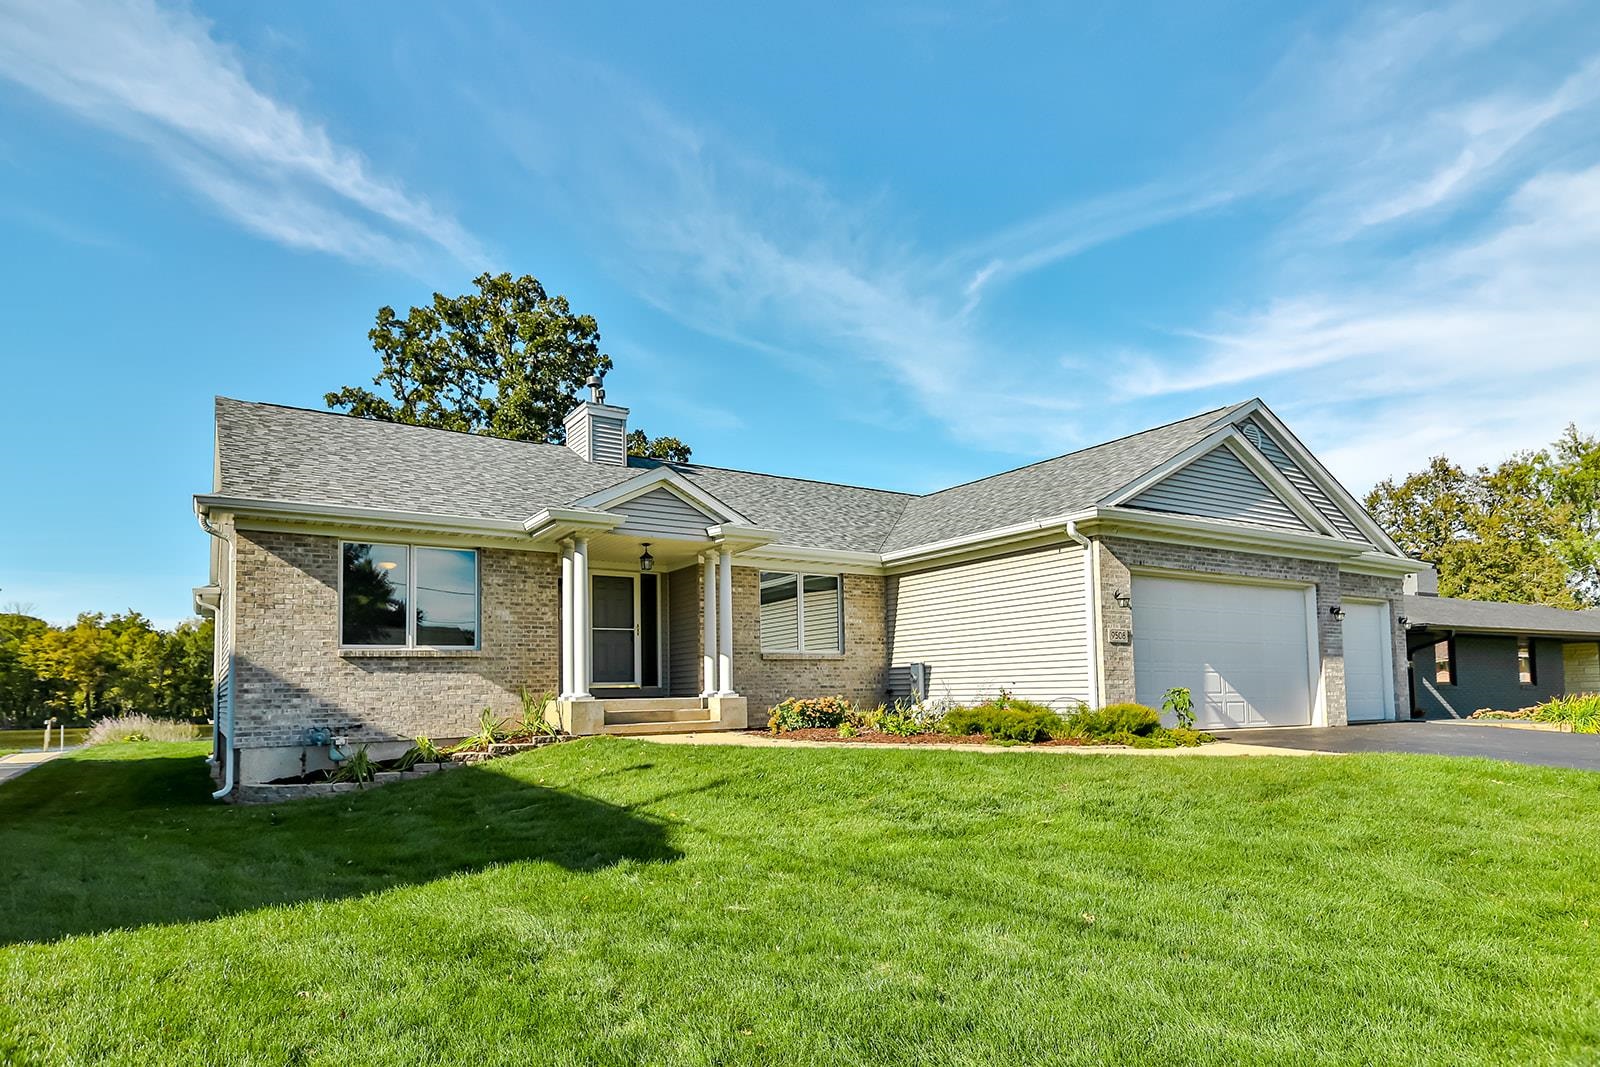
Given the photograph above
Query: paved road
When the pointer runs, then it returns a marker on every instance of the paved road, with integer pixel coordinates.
(1439, 737)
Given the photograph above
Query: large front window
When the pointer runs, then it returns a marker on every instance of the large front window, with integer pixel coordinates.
(801, 612)
(408, 596)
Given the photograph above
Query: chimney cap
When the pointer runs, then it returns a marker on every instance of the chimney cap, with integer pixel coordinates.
(597, 389)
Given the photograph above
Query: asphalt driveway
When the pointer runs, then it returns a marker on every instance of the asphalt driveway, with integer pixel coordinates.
(1436, 737)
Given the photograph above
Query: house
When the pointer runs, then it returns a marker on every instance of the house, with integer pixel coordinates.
(1470, 654)
(376, 581)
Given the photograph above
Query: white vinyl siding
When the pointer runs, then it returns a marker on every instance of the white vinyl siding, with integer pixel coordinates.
(662, 513)
(1298, 478)
(1016, 622)
(1219, 486)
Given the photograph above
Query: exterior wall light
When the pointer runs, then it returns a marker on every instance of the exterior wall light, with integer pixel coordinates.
(1123, 598)
(1337, 611)
(647, 562)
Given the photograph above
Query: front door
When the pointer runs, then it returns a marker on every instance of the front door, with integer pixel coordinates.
(614, 629)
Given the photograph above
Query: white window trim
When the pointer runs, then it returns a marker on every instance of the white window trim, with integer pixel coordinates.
(411, 601)
(800, 614)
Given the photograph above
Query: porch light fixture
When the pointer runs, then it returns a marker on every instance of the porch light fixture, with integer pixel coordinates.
(1337, 611)
(1123, 597)
(1404, 621)
(647, 562)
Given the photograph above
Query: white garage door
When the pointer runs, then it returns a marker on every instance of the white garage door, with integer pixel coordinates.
(1241, 650)
(1368, 682)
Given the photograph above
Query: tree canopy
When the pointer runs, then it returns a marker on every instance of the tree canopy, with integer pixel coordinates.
(100, 665)
(1525, 531)
(506, 361)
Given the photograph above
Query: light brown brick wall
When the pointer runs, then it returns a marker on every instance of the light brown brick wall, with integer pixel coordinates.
(290, 674)
(860, 673)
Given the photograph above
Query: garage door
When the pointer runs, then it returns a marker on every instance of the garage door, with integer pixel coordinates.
(1368, 682)
(1241, 650)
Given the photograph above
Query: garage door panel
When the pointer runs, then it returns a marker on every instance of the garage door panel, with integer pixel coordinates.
(1240, 649)
(1367, 681)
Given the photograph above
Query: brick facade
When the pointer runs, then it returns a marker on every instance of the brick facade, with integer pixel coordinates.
(860, 672)
(1119, 555)
(290, 673)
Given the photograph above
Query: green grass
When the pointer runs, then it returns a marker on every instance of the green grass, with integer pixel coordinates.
(612, 901)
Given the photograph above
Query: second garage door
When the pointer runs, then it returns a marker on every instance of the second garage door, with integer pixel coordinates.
(1241, 650)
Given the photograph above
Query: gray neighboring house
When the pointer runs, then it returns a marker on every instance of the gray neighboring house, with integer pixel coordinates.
(1468, 654)
(375, 582)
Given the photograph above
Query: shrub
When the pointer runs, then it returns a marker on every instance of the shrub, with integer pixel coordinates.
(1006, 720)
(811, 713)
(532, 722)
(1113, 719)
(359, 768)
(489, 733)
(1180, 702)
(422, 751)
(1581, 712)
(139, 728)
(1187, 736)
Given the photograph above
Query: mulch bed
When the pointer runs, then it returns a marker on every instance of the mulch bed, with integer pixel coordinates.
(821, 733)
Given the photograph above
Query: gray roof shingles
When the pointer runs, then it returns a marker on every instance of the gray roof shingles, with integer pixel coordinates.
(1450, 613)
(314, 457)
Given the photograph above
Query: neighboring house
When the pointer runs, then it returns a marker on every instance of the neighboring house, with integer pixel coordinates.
(1470, 654)
(378, 581)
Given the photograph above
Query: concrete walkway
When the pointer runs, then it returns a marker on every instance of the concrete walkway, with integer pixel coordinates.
(747, 739)
(20, 763)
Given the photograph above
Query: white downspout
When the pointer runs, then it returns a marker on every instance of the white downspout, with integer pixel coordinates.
(1091, 588)
(228, 760)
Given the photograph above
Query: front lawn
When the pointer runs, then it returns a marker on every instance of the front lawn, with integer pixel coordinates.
(620, 902)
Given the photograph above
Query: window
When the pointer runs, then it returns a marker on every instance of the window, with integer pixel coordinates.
(1444, 662)
(1527, 670)
(407, 596)
(801, 612)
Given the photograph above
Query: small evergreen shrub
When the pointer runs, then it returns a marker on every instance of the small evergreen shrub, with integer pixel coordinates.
(811, 713)
(1104, 723)
(1011, 720)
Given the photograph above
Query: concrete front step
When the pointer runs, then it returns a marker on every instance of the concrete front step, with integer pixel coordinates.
(677, 726)
(621, 712)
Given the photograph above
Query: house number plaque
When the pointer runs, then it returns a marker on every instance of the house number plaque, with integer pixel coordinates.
(1119, 637)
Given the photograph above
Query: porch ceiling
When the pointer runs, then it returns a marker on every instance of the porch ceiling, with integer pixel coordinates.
(612, 551)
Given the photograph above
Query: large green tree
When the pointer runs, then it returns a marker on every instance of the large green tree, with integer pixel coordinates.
(506, 361)
(1525, 531)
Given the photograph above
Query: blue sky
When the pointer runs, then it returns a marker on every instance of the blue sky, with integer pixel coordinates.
(901, 245)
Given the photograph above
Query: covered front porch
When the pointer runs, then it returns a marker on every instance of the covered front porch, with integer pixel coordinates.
(646, 614)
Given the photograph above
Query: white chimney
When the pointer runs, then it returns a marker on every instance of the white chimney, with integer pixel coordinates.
(597, 431)
(1423, 583)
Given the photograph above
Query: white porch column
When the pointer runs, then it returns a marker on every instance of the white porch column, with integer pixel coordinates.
(708, 631)
(581, 666)
(725, 623)
(567, 603)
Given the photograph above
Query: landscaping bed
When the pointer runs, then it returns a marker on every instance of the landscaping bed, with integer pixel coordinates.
(1001, 720)
(1579, 714)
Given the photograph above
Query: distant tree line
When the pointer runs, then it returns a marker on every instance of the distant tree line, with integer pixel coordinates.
(1525, 531)
(102, 665)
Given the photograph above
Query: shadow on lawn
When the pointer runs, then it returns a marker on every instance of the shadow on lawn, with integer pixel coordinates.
(89, 845)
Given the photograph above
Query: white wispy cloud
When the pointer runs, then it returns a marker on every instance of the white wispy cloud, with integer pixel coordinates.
(156, 75)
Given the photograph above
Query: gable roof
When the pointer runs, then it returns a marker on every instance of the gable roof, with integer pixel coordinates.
(1050, 487)
(294, 456)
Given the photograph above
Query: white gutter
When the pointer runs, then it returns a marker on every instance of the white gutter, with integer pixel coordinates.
(1091, 588)
(216, 728)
